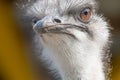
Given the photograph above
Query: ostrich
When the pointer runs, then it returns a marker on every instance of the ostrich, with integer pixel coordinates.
(73, 37)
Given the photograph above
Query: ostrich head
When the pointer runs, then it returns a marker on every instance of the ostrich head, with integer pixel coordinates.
(73, 37)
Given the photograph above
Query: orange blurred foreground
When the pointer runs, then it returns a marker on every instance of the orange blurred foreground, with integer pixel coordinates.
(13, 64)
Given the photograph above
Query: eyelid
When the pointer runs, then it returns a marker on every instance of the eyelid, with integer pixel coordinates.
(76, 10)
(88, 6)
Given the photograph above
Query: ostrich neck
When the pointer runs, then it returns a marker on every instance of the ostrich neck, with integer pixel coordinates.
(77, 62)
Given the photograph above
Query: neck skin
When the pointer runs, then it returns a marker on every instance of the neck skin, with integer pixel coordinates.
(76, 62)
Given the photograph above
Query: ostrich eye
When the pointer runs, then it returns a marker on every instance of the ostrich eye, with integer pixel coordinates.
(34, 20)
(85, 14)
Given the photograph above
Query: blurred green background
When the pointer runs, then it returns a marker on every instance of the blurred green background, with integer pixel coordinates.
(13, 63)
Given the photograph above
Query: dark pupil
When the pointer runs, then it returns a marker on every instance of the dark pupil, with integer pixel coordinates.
(34, 20)
(86, 12)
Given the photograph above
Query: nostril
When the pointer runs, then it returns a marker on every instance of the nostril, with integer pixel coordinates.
(57, 20)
